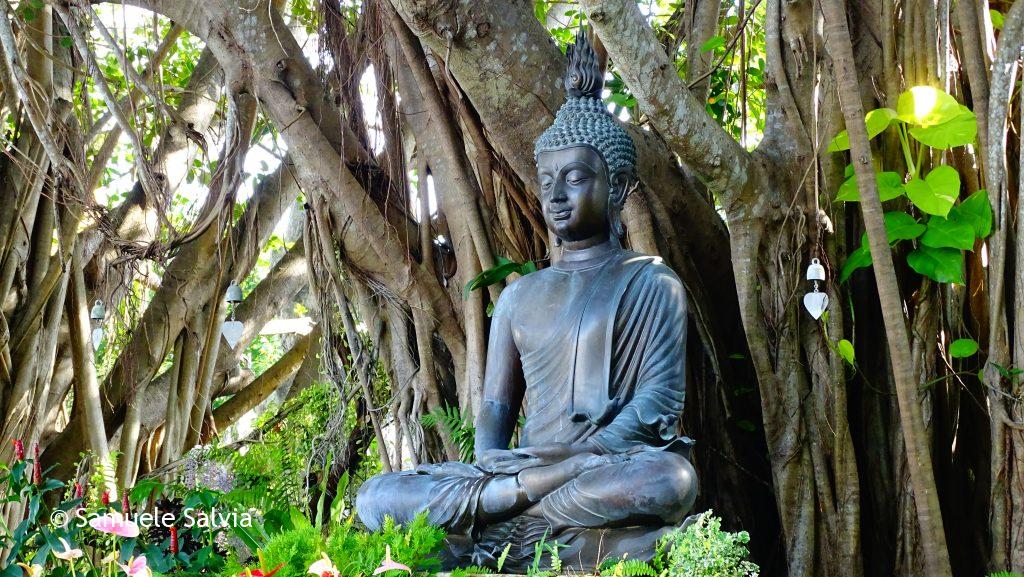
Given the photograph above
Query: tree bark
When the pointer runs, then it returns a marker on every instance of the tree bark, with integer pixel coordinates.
(922, 476)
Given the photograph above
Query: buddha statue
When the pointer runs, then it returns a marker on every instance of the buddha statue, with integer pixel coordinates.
(591, 351)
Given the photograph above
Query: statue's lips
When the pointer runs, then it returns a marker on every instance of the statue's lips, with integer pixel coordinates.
(561, 214)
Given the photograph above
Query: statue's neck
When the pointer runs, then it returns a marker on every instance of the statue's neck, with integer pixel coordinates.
(579, 258)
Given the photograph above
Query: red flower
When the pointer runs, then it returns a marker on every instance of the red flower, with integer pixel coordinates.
(79, 491)
(19, 449)
(259, 572)
(124, 502)
(174, 540)
(105, 498)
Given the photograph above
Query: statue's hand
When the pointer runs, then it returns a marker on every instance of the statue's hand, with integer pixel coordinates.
(506, 461)
(552, 452)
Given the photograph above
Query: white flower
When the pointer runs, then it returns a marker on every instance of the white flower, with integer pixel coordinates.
(324, 568)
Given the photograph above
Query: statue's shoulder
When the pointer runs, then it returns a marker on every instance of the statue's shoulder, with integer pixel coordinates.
(522, 285)
(652, 272)
(649, 266)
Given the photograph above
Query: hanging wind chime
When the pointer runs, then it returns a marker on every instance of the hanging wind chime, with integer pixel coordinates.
(232, 329)
(96, 315)
(816, 301)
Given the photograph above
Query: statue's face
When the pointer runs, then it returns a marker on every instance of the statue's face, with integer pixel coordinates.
(574, 193)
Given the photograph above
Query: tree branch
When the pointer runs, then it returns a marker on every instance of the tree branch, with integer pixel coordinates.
(687, 128)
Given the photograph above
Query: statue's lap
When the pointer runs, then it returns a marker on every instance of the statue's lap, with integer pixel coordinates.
(642, 488)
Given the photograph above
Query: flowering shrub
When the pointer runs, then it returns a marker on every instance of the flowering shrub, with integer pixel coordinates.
(394, 550)
(99, 536)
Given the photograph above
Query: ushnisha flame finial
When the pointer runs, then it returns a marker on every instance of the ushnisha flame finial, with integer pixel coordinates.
(583, 74)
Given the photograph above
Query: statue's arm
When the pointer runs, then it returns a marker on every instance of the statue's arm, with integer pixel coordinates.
(650, 416)
(504, 386)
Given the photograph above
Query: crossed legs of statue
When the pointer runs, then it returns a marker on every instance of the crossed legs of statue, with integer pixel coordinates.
(593, 506)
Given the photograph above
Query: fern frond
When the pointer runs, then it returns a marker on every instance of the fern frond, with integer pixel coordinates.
(459, 429)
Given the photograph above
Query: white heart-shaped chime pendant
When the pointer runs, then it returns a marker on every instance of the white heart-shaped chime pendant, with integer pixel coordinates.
(232, 331)
(816, 302)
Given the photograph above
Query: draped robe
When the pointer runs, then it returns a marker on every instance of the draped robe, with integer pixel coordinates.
(609, 369)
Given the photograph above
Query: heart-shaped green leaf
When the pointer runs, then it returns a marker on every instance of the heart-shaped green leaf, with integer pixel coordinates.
(961, 348)
(925, 106)
(890, 186)
(845, 350)
(859, 258)
(937, 192)
(876, 121)
(901, 226)
(975, 211)
(938, 264)
(945, 233)
(960, 130)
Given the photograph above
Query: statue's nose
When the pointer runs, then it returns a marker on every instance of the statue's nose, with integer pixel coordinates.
(559, 196)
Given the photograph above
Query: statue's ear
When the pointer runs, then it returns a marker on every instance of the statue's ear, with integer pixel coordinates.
(622, 183)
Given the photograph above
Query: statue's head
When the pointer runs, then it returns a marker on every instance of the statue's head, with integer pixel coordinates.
(585, 159)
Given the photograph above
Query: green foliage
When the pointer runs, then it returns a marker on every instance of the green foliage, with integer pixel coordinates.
(627, 568)
(932, 119)
(859, 258)
(945, 233)
(938, 264)
(997, 19)
(498, 273)
(540, 549)
(845, 350)
(471, 570)
(296, 549)
(961, 348)
(901, 226)
(1004, 573)
(704, 550)
(358, 553)
(271, 474)
(354, 552)
(460, 430)
(889, 187)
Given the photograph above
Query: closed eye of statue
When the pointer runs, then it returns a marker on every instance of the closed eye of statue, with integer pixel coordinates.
(576, 177)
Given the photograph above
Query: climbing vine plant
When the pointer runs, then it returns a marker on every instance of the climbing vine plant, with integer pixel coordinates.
(940, 226)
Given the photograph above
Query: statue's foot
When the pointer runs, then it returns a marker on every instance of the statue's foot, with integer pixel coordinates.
(688, 521)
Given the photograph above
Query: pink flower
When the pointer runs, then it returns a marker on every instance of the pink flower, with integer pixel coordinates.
(136, 567)
(19, 449)
(387, 564)
(117, 524)
(68, 554)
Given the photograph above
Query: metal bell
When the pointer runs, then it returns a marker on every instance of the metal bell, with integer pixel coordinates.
(234, 293)
(815, 271)
(98, 311)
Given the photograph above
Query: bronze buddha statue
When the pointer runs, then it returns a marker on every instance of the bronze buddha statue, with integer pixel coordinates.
(592, 351)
